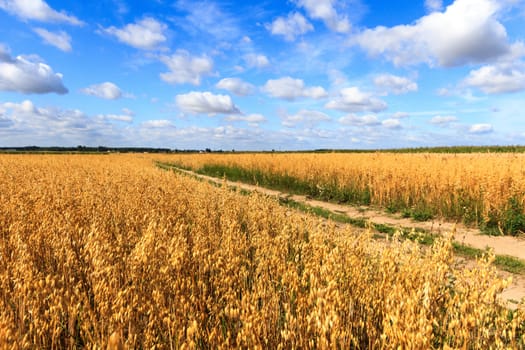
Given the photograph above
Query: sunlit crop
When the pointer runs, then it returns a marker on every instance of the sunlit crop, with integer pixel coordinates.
(487, 190)
(111, 251)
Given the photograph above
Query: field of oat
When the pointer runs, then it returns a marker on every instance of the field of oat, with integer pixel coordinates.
(98, 249)
(485, 190)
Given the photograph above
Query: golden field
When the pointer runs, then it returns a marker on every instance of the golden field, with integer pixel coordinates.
(484, 189)
(98, 249)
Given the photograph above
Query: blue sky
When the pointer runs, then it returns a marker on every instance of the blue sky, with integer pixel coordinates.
(298, 74)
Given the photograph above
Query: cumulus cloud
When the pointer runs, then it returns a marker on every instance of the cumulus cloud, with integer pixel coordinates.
(37, 10)
(56, 126)
(22, 109)
(145, 34)
(157, 124)
(466, 32)
(206, 103)
(5, 122)
(236, 86)
(252, 119)
(443, 120)
(185, 68)
(289, 89)
(497, 79)
(256, 60)
(60, 40)
(107, 90)
(400, 115)
(304, 116)
(366, 120)
(391, 124)
(325, 10)
(389, 83)
(24, 123)
(27, 75)
(290, 27)
(117, 117)
(354, 100)
(480, 129)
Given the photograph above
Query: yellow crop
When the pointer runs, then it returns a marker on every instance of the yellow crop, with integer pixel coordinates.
(112, 252)
(476, 188)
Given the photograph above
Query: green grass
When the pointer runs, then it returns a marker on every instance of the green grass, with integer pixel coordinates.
(511, 221)
(504, 262)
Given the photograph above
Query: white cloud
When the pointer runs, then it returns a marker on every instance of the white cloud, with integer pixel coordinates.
(497, 79)
(145, 34)
(400, 115)
(324, 10)
(389, 83)
(206, 103)
(256, 60)
(467, 32)
(304, 116)
(366, 120)
(5, 122)
(443, 120)
(158, 124)
(106, 90)
(27, 75)
(252, 119)
(185, 68)
(289, 89)
(53, 126)
(391, 124)
(60, 40)
(37, 10)
(290, 27)
(480, 129)
(23, 108)
(353, 100)
(236, 86)
(434, 5)
(118, 117)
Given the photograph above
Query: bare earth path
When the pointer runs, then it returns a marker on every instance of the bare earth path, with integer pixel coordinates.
(501, 245)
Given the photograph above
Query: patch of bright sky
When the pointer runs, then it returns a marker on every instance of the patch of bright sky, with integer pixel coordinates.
(299, 74)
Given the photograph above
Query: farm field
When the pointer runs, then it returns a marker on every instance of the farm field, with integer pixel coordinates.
(485, 190)
(111, 248)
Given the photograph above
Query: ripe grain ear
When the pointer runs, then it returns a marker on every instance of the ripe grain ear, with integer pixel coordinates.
(115, 341)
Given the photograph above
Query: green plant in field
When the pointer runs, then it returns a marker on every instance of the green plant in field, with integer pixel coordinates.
(420, 213)
(513, 221)
(509, 222)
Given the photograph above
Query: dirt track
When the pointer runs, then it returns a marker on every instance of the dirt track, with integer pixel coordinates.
(501, 245)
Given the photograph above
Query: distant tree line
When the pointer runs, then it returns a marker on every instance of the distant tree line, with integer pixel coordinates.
(104, 149)
(85, 149)
(440, 149)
